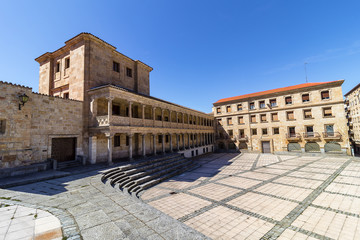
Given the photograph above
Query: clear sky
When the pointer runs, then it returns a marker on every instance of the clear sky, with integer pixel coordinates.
(201, 51)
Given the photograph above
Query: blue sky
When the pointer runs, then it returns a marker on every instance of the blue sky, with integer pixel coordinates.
(201, 51)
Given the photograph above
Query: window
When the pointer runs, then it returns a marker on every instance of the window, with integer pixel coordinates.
(218, 110)
(263, 117)
(2, 126)
(327, 112)
(239, 107)
(230, 132)
(252, 106)
(273, 103)
(241, 120)
(310, 130)
(264, 131)
(127, 140)
(292, 132)
(219, 121)
(254, 131)
(276, 131)
(329, 128)
(229, 121)
(288, 100)
(241, 133)
(129, 72)
(116, 67)
(253, 118)
(228, 108)
(117, 141)
(67, 62)
(160, 138)
(290, 115)
(305, 97)
(57, 68)
(116, 110)
(167, 138)
(262, 104)
(307, 114)
(66, 95)
(325, 95)
(166, 119)
(274, 117)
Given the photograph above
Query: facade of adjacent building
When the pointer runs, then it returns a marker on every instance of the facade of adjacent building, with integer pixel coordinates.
(95, 102)
(352, 107)
(308, 117)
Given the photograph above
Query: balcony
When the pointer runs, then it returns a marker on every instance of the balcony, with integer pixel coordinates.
(331, 135)
(293, 137)
(102, 121)
(311, 136)
(242, 138)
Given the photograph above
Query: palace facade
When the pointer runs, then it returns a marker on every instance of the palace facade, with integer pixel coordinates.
(308, 117)
(352, 107)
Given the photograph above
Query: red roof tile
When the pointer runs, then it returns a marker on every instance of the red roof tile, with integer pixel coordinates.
(277, 90)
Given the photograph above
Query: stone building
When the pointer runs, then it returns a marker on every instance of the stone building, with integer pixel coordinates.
(352, 107)
(308, 117)
(95, 102)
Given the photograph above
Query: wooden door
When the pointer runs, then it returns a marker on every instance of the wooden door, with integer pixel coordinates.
(63, 149)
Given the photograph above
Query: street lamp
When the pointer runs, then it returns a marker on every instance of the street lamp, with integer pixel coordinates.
(23, 98)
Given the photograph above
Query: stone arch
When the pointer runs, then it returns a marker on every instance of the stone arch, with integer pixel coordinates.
(332, 147)
(243, 145)
(293, 147)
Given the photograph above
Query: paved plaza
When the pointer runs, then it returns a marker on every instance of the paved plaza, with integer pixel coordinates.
(231, 196)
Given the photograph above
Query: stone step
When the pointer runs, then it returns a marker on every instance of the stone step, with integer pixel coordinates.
(68, 164)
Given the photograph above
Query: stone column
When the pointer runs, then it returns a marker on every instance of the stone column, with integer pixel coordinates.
(183, 140)
(177, 118)
(162, 116)
(183, 120)
(143, 145)
(130, 147)
(143, 114)
(110, 108)
(171, 148)
(154, 115)
(130, 112)
(177, 142)
(92, 149)
(189, 140)
(213, 138)
(93, 110)
(193, 141)
(163, 143)
(154, 143)
(110, 145)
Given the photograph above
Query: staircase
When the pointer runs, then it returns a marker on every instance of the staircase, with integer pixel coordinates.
(137, 176)
(68, 164)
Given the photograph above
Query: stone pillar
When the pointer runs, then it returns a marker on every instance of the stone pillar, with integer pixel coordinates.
(162, 117)
(143, 114)
(92, 149)
(110, 145)
(183, 120)
(154, 115)
(177, 118)
(130, 112)
(93, 110)
(189, 140)
(154, 143)
(143, 145)
(177, 142)
(183, 141)
(110, 108)
(193, 141)
(163, 143)
(213, 138)
(171, 147)
(130, 147)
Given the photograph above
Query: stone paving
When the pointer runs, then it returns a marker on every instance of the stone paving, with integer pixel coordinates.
(263, 196)
(231, 196)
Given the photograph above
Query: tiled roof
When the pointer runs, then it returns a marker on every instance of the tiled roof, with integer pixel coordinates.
(277, 90)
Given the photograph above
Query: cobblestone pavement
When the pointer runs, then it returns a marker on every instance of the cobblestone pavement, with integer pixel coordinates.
(18, 222)
(90, 209)
(263, 196)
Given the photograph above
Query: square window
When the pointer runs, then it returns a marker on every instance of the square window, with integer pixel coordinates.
(239, 107)
(262, 104)
(288, 100)
(290, 115)
(218, 110)
(57, 67)
(241, 120)
(66, 95)
(274, 117)
(327, 112)
(305, 97)
(273, 103)
(117, 141)
(263, 117)
(116, 67)
(116, 110)
(230, 132)
(252, 106)
(2, 126)
(254, 131)
(67, 62)
(241, 133)
(325, 95)
(229, 121)
(276, 131)
(228, 109)
(129, 72)
(253, 118)
(264, 131)
(307, 114)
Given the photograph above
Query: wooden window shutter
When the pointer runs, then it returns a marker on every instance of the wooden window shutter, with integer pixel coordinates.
(253, 118)
(305, 97)
(327, 112)
(263, 118)
(288, 100)
(307, 113)
(325, 95)
(275, 117)
(290, 115)
(241, 120)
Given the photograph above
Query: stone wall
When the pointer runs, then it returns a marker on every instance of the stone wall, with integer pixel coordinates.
(28, 132)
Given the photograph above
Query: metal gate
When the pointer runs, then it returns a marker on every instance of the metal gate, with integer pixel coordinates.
(312, 147)
(294, 147)
(63, 149)
(332, 147)
(266, 147)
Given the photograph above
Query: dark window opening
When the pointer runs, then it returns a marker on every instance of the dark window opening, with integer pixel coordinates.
(57, 67)
(127, 140)
(66, 95)
(325, 95)
(129, 72)
(67, 62)
(116, 110)
(117, 141)
(116, 67)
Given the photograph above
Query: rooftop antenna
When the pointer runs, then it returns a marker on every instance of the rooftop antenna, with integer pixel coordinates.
(305, 72)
